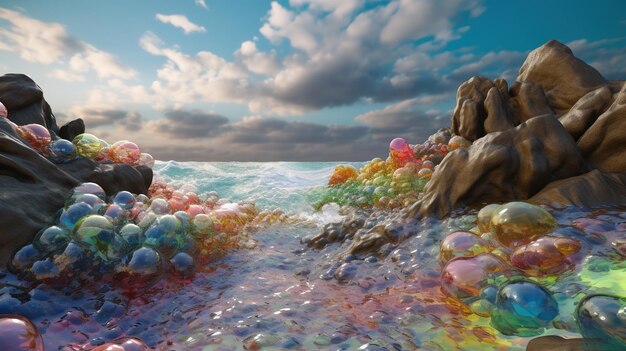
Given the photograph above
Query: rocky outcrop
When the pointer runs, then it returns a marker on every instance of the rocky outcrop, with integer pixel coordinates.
(32, 189)
(503, 166)
(560, 119)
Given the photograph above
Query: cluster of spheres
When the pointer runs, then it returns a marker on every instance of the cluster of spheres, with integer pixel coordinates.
(133, 239)
(396, 181)
(497, 269)
(85, 145)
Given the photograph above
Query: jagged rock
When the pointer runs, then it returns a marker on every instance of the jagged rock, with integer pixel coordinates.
(528, 100)
(592, 189)
(24, 101)
(604, 143)
(499, 114)
(582, 115)
(72, 128)
(503, 166)
(564, 77)
(31, 191)
(470, 113)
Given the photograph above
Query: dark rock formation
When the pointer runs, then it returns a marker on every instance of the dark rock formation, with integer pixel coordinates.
(72, 128)
(32, 189)
(503, 166)
(24, 101)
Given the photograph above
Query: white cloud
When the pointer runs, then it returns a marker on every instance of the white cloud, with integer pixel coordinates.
(66, 76)
(49, 43)
(180, 21)
(201, 3)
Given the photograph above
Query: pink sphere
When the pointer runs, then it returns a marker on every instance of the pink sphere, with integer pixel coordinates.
(19, 334)
(36, 135)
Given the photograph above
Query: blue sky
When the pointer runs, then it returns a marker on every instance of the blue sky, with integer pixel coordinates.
(288, 80)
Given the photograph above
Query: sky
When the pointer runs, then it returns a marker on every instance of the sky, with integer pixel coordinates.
(292, 80)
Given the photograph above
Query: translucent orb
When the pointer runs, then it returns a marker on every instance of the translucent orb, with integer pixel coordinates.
(146, 160)
(36, 135)
(342, 174)
(71, 215)
(518, 223)
(19, 334)
(401, 152)
(462, 244)
(52, 239)
(484, 217)
(90, 188)
(602, 321)
(124, 199)
(87, 145)
(546, 255)
(62, 151)
(125, 151)
(465, 277)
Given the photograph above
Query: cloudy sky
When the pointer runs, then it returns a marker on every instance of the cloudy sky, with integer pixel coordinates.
(307, 80)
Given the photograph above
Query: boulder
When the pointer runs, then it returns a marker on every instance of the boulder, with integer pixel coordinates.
(24, 101)
(582, 115)
(603, 144)
(528, 100)
(72, 128)
(502, 166)
(564, 77)
(469, 114)
(555, 343)
(592, 189)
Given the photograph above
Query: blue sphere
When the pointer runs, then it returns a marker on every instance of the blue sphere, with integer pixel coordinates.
(62, 151)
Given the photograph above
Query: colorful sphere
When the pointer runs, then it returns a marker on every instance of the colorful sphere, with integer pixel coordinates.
(457, 142)
(546, 255)
(484, 217)
(62, 151)
(462, 244)
(125, 151)
(523, 308)
(52, 239)
(87, 145)
(146, 159)
(518, 223)
(401, 152)
(36, 135)
(19, 334)
(602, 321)
(90, 188)
(342, 174)
(465, 277)
(125, 200)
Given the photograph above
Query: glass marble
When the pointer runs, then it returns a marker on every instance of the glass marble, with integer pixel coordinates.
(52, 239)
(62, 151)
(462, 244)
(465, 277)
(132, 233)
(95, 230)
(523, 308)
(483, 219)
(124, 199)
(602, 321)
(457, 142)
(146, 159)
(145, 261)
(401, 152)
(125, 151)
(159, 206)
(518, 223)
(546, 255)
(201, 225)
(71, 215)
(36, 135)
(90, 188)
(19, 334)
(116, 214)
(87, 145)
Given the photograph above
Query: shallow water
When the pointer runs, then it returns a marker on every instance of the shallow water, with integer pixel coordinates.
(281, 295)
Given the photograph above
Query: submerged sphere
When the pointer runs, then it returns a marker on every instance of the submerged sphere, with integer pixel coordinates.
(523, 308)
(19, 334)
(518, 223)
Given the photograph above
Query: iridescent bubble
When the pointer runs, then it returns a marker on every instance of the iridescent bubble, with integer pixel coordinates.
(159, 206)
(462, 244)
(146, 160)
(92, 200)
(19, 334)
(523, 308)
(62, 151)
(125, 151)
(145, 262)
(90, 188)
(484, 217)
(465, 277)
(95, 230)
(602, 321)
(457, 142)
(546, 255)
(52, 239)
(71, 215)
(125, 199)
(36, 135)
(518, 223)
(401, 152)
(25, 257)
(133, 234)
(116, 214)
(87, 145)
(183, 263)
